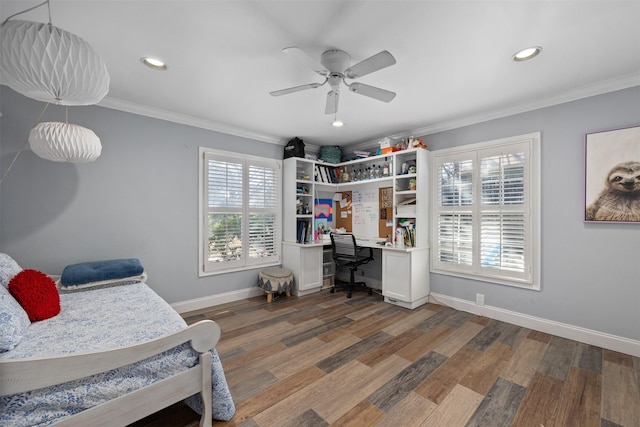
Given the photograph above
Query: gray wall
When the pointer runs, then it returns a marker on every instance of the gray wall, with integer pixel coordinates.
(138, 199)
(590, 272)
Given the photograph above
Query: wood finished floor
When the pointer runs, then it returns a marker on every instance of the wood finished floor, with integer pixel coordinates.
(325, 360)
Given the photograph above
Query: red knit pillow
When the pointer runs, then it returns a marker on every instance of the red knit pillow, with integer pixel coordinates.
(37, 294)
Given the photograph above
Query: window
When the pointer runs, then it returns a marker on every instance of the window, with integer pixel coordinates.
(239, 212)
(486, 211)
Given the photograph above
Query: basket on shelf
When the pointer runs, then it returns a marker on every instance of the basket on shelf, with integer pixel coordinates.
(330, 154)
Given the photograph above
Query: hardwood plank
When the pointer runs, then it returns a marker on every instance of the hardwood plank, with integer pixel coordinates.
(524, 362)
(541, 402)
(458, 339)
(309, 333)
(363, 414)
(435, 320)
(438, 385)
(385, 350)
(481, 320)
(275, 393)
(558, 357)
(364, 312)
(458, 319)
(539, 336)
(321, 390)
(337, 360)
(487, 336)
(333, 406)
(409, 412)
(580, 405)
(245, 358)
(348, 328)
(619, 358)
(369, 330)
(485, 371)
(247, 382)
(307, 419)
(499, 405)
(306, 354)
(620, 394)
(424, 343)
(408, 322)
(456, 409)
(588, 357)
(403, 383)
(265, 336)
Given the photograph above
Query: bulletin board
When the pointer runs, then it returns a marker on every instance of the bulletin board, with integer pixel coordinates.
(385, 207)
(344, 212)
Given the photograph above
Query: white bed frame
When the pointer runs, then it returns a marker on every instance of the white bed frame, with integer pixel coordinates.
(22, 375)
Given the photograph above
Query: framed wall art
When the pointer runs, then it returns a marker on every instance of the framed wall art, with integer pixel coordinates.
(612, 176)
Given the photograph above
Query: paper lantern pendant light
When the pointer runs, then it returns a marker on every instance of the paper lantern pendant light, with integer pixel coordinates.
(48, 64)
(64, 142)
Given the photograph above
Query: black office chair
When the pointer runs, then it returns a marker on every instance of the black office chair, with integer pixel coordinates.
(346, 253)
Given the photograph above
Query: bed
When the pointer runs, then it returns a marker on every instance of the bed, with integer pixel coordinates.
(111, 356)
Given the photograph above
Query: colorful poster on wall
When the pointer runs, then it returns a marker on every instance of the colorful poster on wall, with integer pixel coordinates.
(323, 209)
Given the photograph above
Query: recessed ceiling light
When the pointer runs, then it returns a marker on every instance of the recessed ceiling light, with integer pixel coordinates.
(337, 123)
(154, 63)
(526, 54)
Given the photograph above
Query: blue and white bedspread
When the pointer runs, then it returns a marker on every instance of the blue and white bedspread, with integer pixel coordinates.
(100, 319)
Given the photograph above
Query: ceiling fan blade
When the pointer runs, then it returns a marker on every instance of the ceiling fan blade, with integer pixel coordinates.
(332, 102)
(374, 63)
(372, 92)
(295, 89)
(302, 57)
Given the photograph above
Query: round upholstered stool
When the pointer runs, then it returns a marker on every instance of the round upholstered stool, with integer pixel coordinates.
(275, 280)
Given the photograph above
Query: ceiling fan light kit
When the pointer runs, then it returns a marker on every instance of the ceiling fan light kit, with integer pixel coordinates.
(334, 67)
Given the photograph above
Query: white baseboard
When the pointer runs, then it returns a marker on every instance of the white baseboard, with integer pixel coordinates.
(576, 333)
(213, 300)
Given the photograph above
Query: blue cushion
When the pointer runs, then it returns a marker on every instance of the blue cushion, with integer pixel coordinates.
(97, 271)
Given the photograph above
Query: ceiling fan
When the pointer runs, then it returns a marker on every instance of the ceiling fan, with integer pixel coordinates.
(334, 67)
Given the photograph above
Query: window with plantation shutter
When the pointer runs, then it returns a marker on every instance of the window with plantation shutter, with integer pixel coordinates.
(486, 211)
(240, 212)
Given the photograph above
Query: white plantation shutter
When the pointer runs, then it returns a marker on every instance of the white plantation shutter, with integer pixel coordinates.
(241, 211)
(486, 213)
(263, 213)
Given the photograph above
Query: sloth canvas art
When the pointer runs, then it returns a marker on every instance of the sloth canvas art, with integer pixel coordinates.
(620, 198)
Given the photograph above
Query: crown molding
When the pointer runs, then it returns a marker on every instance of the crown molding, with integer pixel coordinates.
(599, 88)
(606, 86)
(157, 113)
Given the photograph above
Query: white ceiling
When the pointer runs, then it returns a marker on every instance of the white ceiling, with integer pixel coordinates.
(453, 57)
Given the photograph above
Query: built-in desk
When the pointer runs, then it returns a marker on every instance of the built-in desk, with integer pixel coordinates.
(405, 271)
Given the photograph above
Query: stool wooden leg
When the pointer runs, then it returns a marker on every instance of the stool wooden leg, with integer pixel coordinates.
(288, 294)
(269, 297)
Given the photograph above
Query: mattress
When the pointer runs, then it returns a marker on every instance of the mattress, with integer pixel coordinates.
(96, 320)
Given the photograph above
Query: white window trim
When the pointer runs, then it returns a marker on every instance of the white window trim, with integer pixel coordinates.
(203, 218)
(533, 191)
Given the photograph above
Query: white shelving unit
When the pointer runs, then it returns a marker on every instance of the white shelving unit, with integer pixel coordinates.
(405, 271)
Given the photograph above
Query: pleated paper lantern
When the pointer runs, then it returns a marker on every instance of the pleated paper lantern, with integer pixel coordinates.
(64, 142)
(49, 64)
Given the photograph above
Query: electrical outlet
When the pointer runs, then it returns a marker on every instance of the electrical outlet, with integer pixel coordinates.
(479, 299)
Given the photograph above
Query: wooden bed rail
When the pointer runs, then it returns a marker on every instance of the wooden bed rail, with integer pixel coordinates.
(21, 375)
